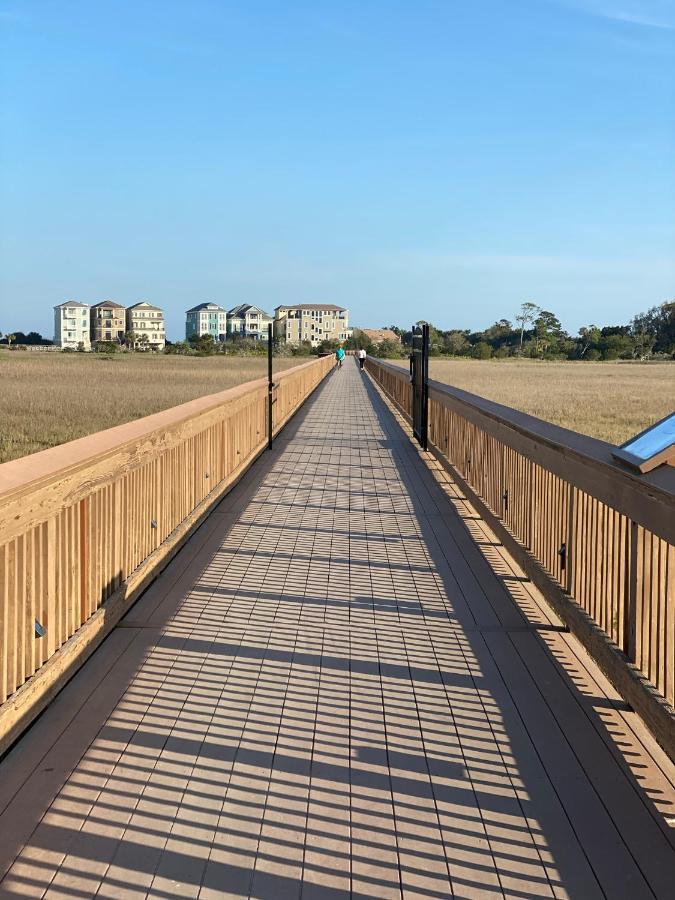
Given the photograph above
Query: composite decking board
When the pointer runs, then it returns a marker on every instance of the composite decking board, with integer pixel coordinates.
(329, 693)
(569, 656)
(647, 841)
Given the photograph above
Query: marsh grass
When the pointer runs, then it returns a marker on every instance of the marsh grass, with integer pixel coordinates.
(607, 400)
(49, 398)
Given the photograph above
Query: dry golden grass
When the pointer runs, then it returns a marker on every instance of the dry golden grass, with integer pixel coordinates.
(607, 400)
(49, 398)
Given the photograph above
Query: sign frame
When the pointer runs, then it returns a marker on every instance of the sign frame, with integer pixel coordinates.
(665, 455)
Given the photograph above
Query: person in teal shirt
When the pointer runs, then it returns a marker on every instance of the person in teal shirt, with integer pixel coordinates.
(339, 355)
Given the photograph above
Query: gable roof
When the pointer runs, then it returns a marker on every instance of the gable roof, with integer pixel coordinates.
(206, 306)
(72, 303)
(243, 308)
(143, 304)
(322, 306)
(107, 304)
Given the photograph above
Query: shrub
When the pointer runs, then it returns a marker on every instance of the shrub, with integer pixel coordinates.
(481, 350)
(104, 347)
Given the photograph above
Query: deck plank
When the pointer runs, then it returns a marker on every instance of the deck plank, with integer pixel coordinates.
(341, 686)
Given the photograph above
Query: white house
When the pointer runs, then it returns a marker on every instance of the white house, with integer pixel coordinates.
(248, 321)
(72, 321)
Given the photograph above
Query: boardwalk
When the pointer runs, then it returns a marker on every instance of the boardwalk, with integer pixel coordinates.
(341, 687)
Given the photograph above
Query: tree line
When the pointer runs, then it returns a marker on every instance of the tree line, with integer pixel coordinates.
(536, 333)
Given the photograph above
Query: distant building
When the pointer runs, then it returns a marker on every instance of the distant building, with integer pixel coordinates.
(146, 321)
(107, 322)
(377, 335)
(248, 321)
(206, 318)
(313, 322)
(72, 325)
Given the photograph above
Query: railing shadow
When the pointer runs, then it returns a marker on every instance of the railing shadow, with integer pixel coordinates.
(312, 711)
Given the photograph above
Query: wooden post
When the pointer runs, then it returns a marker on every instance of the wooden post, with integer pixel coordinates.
(629, 636)
(270, 385)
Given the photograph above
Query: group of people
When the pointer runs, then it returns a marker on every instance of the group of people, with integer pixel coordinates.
(340, 355)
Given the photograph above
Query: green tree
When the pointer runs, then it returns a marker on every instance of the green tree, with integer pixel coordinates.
(589, 336)
(203, 344)
(182, 348)
(482, 350)
(359, 341)
(455, 343)
(644, 331)
(548, 333)
(525, 316)
(388, 349)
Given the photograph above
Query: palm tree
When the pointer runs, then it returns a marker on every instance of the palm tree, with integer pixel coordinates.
(130, 339)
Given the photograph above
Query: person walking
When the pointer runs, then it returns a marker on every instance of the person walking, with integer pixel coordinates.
(362, 358)
(339, 356)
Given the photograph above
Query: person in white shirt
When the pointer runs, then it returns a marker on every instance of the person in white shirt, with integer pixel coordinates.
(362, 357)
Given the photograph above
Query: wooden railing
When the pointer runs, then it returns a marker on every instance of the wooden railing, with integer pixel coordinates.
(596, 538)
(85, 526)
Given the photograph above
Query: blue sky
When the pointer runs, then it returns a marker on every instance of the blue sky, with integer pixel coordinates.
(439, 160)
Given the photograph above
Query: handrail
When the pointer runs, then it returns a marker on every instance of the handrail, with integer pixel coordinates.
(597, 538)
(85, 526)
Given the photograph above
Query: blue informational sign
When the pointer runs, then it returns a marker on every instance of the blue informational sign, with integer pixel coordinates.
(651, 448)
(656, 439)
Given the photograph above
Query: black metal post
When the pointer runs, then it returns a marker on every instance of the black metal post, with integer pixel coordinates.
(270, 385)
(419, 376)
(425, 386)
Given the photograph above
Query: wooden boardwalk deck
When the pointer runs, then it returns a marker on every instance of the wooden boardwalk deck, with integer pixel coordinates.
(341, 687)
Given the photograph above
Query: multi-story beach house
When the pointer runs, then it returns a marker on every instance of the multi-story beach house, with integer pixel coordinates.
(107, 322)
(248, 321)
(313, 322)
(146, 322)
(72, 325)
(206, 318)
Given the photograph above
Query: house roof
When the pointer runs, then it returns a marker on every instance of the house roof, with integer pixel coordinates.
(72, 303)
(204, 306)
(377, 335)
(107, 304)
(143, 304)
(322, 306)
(243, 308)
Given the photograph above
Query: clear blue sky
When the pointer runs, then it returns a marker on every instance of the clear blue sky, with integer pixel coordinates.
(444, 160)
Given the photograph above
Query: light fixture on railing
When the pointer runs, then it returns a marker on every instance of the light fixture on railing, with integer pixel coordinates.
(40, 630)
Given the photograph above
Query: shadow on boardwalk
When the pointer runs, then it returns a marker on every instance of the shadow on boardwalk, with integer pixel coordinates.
(341, 687)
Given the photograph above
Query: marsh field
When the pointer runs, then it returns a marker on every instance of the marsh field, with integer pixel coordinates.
(49, 398)
(608, 400)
